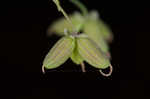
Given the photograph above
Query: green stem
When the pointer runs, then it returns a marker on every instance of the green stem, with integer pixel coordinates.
(81, 6)
(63, 12)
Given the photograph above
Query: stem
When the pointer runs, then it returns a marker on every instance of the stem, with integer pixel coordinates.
(83, 67)
(110, 72)
(43, 69)
(63, 12)
(81, 6)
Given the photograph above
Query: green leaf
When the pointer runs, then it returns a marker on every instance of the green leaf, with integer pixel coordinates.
(61, 51)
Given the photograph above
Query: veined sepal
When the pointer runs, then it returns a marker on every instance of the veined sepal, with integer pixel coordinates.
(92, 29)
(59, 53)
(92, 54)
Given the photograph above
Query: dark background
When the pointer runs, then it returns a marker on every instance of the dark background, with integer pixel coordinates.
(23, 27)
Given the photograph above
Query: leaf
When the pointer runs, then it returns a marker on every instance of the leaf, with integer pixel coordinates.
(61, 51)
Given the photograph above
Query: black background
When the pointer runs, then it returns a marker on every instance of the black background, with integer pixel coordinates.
(23, 37)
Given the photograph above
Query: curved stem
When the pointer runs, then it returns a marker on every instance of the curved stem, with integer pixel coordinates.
(81, 6)
(110, 72)
(63, 12)
(43, 69)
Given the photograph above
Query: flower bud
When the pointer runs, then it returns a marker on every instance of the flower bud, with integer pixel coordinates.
(103, 27)
(93, 31)
(59, 25)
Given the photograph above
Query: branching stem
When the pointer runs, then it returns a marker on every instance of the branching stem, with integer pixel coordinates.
(63, 12)
(81, 6)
